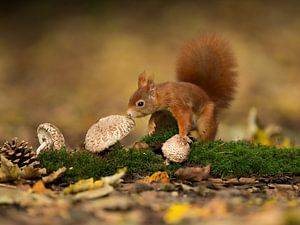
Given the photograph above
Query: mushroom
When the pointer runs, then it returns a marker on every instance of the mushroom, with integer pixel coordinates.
(49, 137)
(107, 131)
(176, 148)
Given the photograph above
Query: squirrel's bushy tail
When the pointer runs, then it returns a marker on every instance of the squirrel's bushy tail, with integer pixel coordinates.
(209, 63)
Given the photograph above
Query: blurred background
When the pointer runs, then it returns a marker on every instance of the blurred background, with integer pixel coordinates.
(73, 62)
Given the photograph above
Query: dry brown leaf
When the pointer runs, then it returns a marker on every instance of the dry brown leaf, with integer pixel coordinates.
(161, 177)
(193, 173)
(140, 145)
(23, 198)
(114, 202)
(8, 170)
(247, 180)
(28, 172)
(232, 181)
(216, 180)
(53, 176)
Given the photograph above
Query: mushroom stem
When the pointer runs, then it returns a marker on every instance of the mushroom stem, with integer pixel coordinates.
(41, 147)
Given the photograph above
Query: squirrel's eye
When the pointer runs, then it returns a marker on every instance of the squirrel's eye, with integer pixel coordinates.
(140, 103)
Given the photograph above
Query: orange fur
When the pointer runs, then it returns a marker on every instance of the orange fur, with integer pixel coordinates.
(209, 63)
(207, 81)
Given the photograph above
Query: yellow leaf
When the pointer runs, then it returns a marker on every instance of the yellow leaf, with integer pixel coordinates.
(95, 193)
(286, 143)
(89, 184)
(161, 177)
(176, 213)
(261, 137)
(116, 178)
(82, 185)
(180, 211)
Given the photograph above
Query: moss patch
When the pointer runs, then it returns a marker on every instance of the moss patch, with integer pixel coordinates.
(228, 159)
(240, 159)
(160, 137)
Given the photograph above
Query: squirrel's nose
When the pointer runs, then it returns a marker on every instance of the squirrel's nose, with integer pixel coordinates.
(129, 113)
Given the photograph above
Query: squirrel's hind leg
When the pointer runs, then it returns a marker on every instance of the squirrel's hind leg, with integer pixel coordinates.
(207, 123)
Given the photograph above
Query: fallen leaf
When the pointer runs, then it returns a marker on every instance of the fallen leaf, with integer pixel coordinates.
(39, 187)
(261, 137)
(29, 171)
(286, 143)
(140, 186)
(216, 180)
(161, 177)
(83, 185)
(232, 181)
(193, 173)
(113, 202)
(186, 187)
(116, 178)
(8, 170)
(177, 212)
(140, 145)
(53, 176)
(23, 198)
(89, 184)
(247, 180)
(95, 193)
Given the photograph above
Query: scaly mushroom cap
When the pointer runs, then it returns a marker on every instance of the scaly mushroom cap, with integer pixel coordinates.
(107, 131)
(50, 135)
(176, 149)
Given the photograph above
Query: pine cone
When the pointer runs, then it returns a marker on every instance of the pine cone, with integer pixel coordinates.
(18, 152)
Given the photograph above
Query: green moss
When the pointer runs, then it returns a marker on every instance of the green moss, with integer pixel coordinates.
(160, 137)
(228, 159)
(237, 159)
(80, 164)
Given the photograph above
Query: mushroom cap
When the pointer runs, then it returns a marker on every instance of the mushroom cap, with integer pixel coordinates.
(176, 148)
(50, 134)
(107, 131)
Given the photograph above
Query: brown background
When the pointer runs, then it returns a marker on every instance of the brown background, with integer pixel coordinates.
(72, 62)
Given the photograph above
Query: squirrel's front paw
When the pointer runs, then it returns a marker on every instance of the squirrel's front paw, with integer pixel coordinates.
(186, 139)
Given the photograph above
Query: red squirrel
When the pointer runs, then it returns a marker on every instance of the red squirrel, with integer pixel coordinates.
(206, 73)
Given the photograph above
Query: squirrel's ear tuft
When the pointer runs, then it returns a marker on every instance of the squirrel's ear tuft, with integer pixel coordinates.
(151, 88)
(142, 81)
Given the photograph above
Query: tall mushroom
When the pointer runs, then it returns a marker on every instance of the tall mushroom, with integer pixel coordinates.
(49, 137)
(107, 131)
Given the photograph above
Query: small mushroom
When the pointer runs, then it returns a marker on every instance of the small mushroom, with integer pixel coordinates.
(176, 148)
(107, 131)
(49, 137)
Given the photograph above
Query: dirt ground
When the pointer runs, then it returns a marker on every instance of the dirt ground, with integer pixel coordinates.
(272, 201)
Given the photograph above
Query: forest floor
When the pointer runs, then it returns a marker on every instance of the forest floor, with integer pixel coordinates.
(271, 200)
(219, 183)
